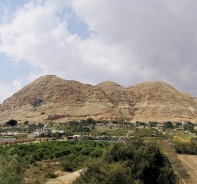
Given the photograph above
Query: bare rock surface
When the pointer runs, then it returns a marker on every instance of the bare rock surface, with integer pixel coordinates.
(51, 95)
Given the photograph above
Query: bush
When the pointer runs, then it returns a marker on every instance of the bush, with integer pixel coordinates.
(96, 152)
(67, 166)
(11, 122)
(86, 151)
(133, 162)
(51, 175)
(26, 122)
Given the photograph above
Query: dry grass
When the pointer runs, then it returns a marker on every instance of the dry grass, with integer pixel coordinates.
(190, 165)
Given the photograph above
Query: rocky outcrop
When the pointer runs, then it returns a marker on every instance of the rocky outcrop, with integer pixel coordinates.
(150, 101)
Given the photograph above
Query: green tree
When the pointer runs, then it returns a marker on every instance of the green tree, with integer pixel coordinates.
(153, 124)
(133, 162)
(12, 170)
(168, 125)
(189, 126)
(104, 173)
(67, 166)
(26, 122)
(11, 122)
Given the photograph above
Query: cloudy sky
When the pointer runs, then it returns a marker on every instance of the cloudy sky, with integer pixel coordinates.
(125, 41)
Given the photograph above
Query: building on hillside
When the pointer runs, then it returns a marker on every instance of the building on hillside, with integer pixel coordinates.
(45, 131)
(9, 134)
(159, 127)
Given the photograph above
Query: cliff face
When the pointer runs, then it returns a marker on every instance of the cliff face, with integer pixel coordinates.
(151, 101)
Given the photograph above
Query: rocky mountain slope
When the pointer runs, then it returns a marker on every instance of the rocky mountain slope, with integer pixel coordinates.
(50, 96)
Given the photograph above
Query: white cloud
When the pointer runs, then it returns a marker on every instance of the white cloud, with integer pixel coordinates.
(17, 85)
(30, 37)
(160, 35)
(6, 90)
(132, 41)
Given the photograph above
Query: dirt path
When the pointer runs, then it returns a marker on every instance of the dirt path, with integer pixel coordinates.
(66, 179)
(190, 165)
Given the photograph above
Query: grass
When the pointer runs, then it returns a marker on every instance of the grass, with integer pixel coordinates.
(182, 137)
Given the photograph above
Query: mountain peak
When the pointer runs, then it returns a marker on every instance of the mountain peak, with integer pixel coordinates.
(148, 101)
(109, 85)
(152, 85)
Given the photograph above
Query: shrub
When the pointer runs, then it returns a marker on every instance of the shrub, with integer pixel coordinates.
(51, 175)
(97, 152)
(67, 166)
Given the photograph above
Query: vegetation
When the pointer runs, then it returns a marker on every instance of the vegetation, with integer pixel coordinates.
(168, 125)
(189, 126)
(137, 160)
(182, 137)
(78, 126)
(134, 162)
(26, 122)
(69, 154)
(11, 169)
(186, 147)
(11, 122)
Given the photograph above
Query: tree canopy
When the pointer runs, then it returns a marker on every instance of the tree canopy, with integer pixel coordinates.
(134, 162)
(11, 122)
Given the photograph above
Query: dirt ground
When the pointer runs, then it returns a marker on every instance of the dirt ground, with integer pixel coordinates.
(190, 165)
(68, 178)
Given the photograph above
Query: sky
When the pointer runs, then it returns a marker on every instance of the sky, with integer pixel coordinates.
(92, 41)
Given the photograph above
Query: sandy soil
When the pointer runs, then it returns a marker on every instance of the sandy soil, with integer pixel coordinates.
(68, 178)
(190, 165)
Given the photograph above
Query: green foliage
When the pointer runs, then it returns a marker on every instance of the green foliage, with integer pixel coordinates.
(153, 124)
(67, 166)
(11, 122)
(97, 152)
(178, 124)
(11, 170)
(33, 126)
(86, 150)
(138, 123)
(51, 175)
(168, 125)
(189, 126)
(104, 173)
(75, 153)
(26, 122)
(146, 132)
(82, 126)
(134, 162)
(186, 147)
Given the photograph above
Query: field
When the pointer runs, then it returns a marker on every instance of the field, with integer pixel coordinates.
(190, 165)
(182, 137)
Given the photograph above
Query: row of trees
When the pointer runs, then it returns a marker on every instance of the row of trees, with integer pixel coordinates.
(186, 147)
(74, 152)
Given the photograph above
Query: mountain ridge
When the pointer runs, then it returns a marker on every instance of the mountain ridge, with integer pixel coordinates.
(148, 101)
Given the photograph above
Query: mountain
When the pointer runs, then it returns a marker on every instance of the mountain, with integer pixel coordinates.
(159, 101)
(50, 96)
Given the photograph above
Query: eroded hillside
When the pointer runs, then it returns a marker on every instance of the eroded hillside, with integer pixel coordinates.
(49, 95)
